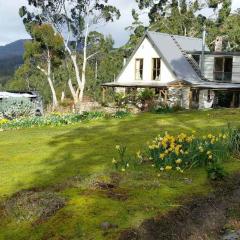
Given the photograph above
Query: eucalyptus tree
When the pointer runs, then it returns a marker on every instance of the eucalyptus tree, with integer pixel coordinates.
(45, 51)
(73, 20)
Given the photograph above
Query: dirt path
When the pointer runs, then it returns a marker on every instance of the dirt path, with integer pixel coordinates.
(215, 217)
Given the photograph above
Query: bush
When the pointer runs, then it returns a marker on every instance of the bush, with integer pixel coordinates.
(12, 108)
(121, 114)
(146, 95)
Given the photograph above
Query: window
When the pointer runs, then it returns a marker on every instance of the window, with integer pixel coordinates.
(223, 69)
(196, 58)
(156, 71)
(139, 69)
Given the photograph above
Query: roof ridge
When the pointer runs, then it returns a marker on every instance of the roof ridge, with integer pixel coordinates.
(180, 36)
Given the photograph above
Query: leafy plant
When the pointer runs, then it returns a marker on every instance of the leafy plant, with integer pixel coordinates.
(122, 161)
(216, 172)
(184, 151)
(121, 114)
(12, 108)
(234, 140)
(56, 119)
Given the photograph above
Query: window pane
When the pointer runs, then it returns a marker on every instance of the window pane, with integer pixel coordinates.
(156, 71)
(139, 69)
(218, 64)
(228, 65)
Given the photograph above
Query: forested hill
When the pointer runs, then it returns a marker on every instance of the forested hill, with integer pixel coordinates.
(11, 57)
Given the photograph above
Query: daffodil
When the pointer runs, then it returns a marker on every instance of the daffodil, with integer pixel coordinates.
(117, 147)
(123, 169)
(168, 168)
(179, 161)
(162, 155)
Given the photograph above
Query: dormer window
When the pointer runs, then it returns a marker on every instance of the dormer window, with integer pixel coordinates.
(156, 70)
(139, 69)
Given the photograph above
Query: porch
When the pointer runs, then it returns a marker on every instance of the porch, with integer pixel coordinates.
(188, 96)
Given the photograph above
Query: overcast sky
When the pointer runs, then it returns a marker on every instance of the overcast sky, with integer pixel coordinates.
(12, 29)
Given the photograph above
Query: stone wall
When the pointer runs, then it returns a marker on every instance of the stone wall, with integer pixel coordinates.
(179, 97)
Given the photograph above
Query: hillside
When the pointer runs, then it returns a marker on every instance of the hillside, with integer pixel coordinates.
(10, 59)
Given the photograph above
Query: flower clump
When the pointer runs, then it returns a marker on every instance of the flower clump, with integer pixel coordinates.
(3, 121)
(185, 151)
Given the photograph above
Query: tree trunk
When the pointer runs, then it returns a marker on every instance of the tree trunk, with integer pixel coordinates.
(50, 82)
(73, 92)
(54, 95)
(84, 66)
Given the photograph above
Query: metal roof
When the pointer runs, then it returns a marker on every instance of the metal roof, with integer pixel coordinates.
(219, 86)
(149, 84)
(173, 56)
(190, 44)
(16, 95)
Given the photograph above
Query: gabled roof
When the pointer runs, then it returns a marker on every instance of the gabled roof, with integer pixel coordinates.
(173, 56)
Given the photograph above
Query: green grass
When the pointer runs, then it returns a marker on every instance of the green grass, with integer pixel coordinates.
(46, 157)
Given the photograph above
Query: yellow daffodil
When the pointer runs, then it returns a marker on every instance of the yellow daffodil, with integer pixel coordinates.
(123, 169)
(210, 157)
(162, 155)
(114, 161)
(179, 161)
(168, 168)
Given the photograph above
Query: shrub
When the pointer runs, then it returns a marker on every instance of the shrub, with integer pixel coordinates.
(17, 107)
(121, 114)
(146, 95)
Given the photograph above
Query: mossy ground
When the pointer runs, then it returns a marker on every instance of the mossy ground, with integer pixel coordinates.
(69, 160)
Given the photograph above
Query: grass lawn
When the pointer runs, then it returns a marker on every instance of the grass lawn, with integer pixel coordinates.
(69, 159)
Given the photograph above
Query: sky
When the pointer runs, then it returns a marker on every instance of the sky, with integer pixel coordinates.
(12, 28)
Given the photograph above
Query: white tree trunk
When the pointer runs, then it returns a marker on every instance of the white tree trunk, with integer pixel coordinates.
(84, 65)
(73, 92)
(50, 82)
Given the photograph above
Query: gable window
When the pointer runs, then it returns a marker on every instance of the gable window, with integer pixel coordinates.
(156, 71)
(223, 69)
(139, 69)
